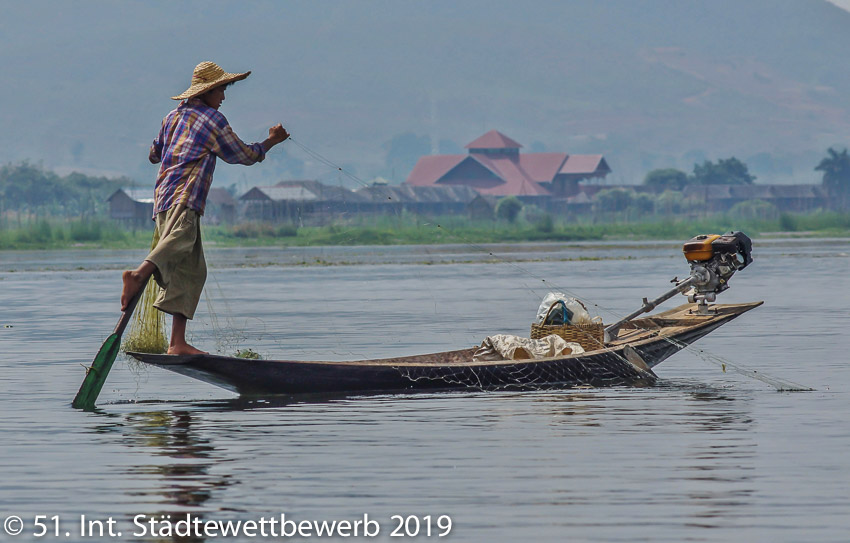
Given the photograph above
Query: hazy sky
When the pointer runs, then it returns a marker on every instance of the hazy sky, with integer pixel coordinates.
(647, 83)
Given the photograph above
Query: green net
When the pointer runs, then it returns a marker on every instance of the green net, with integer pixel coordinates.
(147, 330)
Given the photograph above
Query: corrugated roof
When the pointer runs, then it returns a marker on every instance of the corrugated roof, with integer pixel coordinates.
(411, 193)
(493, 140)
(278, 194)
(542, 167)
(517, 181)
(521, 177)
(583, 164)
(430, 168)
(144, 196)
(513, 174)
(220, 197)
(324, 193)
(753, 192)
(796, 191)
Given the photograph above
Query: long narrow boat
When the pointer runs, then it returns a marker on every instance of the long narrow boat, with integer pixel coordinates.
(640, 345)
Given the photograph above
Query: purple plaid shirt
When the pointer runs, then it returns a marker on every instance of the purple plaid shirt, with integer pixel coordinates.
(191, 138)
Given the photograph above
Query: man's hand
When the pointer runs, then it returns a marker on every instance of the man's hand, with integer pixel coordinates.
(278, 133)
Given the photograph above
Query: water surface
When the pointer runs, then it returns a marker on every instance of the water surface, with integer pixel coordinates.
(702, 456)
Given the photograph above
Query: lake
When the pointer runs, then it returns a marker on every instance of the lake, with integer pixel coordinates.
(705, 455)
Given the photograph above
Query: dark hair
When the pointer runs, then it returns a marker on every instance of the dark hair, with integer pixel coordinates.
(224, 85)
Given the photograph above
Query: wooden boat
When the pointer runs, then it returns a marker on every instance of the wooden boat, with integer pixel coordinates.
(627, 360)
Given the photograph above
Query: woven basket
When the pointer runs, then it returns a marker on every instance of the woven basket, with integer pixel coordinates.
(589, 336)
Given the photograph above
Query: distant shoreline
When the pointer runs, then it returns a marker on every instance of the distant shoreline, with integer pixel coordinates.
(104, 234)
(219, 256)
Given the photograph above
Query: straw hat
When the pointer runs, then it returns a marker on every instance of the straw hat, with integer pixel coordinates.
(208, 75)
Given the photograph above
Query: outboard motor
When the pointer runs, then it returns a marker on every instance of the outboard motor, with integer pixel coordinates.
(714, 259)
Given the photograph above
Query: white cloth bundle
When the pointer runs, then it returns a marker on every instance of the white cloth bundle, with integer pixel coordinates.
(507, 347)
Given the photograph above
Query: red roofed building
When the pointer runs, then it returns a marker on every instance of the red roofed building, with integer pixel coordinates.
(495, 166)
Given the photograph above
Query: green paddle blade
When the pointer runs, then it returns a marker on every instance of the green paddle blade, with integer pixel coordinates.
(96, 374)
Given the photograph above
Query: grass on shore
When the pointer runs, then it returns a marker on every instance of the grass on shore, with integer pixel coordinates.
(401, 231)
(62, 234)
(102, 233)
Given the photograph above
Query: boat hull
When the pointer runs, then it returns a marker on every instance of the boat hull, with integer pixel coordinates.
(628, 361)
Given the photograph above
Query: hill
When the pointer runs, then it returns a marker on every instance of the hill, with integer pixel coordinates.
(649, 83)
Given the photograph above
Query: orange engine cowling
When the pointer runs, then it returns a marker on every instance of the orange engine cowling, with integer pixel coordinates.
(699, 249)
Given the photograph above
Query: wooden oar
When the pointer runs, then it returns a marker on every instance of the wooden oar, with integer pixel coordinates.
(96, 374)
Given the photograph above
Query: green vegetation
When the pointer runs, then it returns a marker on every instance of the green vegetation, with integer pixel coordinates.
(29, 188)
(836, 176)
(41, 233)
(666, 178)
(836, 170)
(726, 171)
(754, 210)
(729, 171)
(754, 217)
(248, 354)
(508, 209)
(51, 212)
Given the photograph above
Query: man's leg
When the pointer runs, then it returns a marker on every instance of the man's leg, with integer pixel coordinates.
(134, 281)
(178, 343)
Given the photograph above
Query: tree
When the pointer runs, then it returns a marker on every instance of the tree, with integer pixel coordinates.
(670, 202)
(836, 171)
(508, 208)
(728, 171)
(613, 200)
(643, 203)
(30, 187)
(666, 179)
(836, 177)
(754, 209)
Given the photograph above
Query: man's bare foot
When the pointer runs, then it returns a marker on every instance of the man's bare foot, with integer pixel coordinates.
(184, 349)
(132, 285)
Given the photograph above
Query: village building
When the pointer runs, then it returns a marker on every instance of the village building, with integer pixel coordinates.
(131, 207)
(299, 202)
(495, 166)
(432, 201)
(221, 207)
(795, 198)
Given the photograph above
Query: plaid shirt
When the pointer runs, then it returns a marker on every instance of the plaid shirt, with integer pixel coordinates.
(191, 138)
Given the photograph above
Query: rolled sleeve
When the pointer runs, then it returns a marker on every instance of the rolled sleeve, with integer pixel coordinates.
(155, 154)
(228, 147)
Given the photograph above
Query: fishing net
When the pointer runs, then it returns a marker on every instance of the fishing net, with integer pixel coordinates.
(147, 330)
(605, 368)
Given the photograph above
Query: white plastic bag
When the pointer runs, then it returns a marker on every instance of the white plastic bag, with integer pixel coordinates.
(580, 314)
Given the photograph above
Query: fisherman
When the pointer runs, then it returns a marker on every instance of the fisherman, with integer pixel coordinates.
(191, 138)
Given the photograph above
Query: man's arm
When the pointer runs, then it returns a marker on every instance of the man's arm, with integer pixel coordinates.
(227, 146)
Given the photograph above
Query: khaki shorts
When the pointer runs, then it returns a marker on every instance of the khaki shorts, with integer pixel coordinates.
(181, 270)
